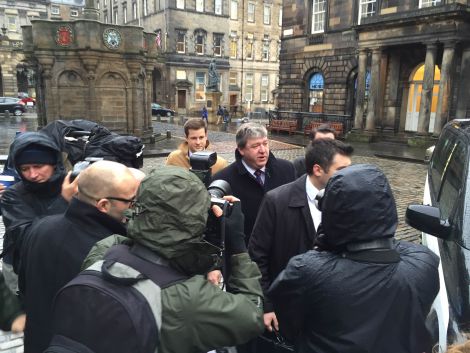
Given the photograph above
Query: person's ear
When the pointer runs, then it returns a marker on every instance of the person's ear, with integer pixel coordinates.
(317, 170)
(103, 205)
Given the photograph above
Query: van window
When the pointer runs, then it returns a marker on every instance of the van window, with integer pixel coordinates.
(453, 180)
(439, 160)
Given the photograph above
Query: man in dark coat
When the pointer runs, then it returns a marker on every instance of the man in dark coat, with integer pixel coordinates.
(288, 218)
(42, 191)
(255, 171)
(361, 291)
(58, 244)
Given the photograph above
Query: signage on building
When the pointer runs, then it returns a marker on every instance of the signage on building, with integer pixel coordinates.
(64, 36)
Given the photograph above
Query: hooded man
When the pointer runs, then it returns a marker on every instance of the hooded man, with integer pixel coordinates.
(43, 190)
(362, 291)
(169, 220)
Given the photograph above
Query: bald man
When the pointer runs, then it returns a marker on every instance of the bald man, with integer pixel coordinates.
(59, 243)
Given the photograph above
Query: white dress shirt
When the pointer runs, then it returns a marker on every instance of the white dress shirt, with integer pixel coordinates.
(312, 192)
(252, 171)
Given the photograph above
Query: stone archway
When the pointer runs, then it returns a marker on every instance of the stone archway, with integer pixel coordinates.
(414, 98)
(72, 93)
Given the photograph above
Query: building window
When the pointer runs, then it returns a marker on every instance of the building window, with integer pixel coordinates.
(199, 44)
(266, 48)
(267, 14)
(280, 16)
(73, 13)
(251, 12)
(218, 44)
(144, 7)
(318, 16)
(180, 4)
(249, 87)
(200, 86)
(264, 88)
(233, 79)
(134, 10)
(234, 10)
(200, 5)
(366, 8)
(180, 75)
(11, 23)
(428, 3)
(98, 6)
(55, 10)
(115, 14)
(316, 85)
(124, 12)
(249, 46)
(180, 42)
(218, 7)
(233, 48)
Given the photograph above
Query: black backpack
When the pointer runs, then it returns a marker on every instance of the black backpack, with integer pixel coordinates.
(114, 305)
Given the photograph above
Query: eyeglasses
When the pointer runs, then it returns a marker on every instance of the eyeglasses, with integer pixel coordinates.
(129, 201)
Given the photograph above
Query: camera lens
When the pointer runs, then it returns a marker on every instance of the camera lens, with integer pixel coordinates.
(219, 188)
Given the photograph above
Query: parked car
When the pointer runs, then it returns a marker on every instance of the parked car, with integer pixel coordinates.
(26, 99)
(157, 109)
(444, 219)
(13, 105)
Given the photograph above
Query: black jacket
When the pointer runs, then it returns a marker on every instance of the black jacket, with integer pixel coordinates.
(299, 165)
(57, 247)
(344, 300)
(284, 228)
(26, 202)
(246, 188)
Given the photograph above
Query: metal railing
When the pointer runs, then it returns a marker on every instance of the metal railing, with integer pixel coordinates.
(304, 118)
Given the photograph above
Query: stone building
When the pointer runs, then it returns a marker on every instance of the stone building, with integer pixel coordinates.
(15, 75)
(255, 30)
(399, 67)
(193, 32)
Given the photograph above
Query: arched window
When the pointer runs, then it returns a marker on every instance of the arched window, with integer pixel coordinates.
(316, 85)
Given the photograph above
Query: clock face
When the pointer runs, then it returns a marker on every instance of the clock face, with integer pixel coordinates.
(112, 38)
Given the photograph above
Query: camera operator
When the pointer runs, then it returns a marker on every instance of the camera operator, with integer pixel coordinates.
(170, 219)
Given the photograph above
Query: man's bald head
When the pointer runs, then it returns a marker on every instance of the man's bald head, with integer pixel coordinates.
(106, 184)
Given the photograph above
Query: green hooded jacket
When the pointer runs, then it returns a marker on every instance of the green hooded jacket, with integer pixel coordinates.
(197, 316)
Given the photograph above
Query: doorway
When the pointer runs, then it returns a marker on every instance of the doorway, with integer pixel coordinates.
(181, 99)
(414, 99)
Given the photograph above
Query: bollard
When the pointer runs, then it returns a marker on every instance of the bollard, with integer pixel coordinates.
(172, 119)
(181, 120)
(7, 114)
(168, 134)
(159, 118)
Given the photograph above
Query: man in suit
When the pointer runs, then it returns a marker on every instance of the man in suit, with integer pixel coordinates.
(288, 218)
(255, 171)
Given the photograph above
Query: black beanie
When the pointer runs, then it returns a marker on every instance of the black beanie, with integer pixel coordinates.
(36, 154)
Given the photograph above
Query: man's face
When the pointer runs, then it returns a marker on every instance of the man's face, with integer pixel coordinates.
(122, 201)
(324, 135)
(196, 140)
(37, 173)
(339, 162)
(256, 152)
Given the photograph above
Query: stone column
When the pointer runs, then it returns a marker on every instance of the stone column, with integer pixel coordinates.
(374, 89)
(428, 85)
(90, 65)
(464, 86)
(360, 90)
(90, 12)
(49, 111)
(445, 83)
(393, 80)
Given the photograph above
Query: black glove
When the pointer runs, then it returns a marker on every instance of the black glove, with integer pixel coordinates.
(234, 231)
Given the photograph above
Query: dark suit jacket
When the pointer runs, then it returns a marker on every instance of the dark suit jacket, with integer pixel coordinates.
(246, 188)
(284, 228)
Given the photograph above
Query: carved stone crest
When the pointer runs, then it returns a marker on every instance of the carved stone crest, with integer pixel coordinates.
(64, 36)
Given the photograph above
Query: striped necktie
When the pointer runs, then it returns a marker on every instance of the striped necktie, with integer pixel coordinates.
(258, 173)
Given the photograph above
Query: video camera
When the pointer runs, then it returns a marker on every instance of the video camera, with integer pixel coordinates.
(201, 163)
(82, 165)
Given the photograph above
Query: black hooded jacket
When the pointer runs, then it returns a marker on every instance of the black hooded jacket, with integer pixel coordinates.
(25, 202)
(347, 299)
